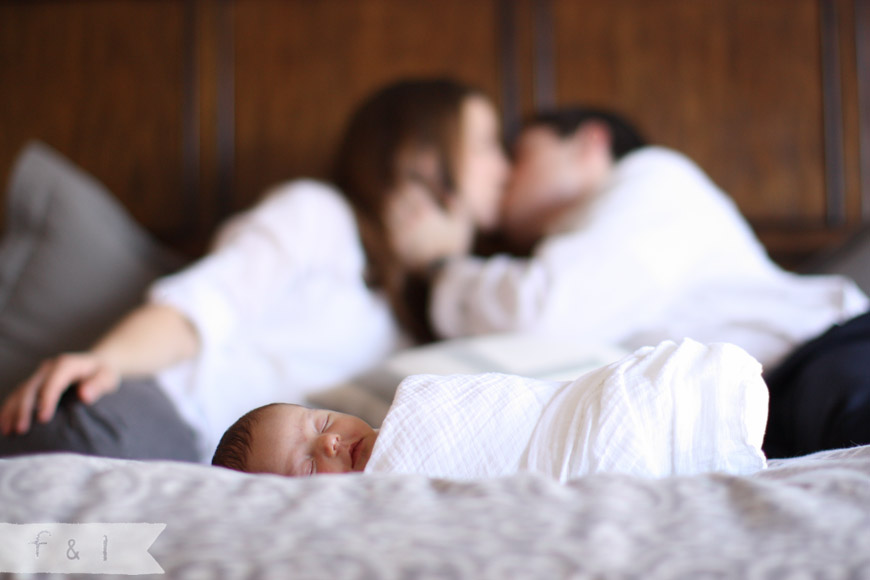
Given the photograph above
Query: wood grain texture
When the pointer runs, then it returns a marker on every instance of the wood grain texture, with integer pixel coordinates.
(103, 83)
(851, 112)
(302, 65)
(189, 109)
(734, 84)
(861, 31)
(509, 60)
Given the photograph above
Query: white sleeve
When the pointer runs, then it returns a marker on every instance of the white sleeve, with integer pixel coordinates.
(601, 281)
(299, 227)
(569, 288)
(474, 296)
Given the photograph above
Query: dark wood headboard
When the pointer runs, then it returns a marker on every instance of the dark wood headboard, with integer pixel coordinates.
(188, 109)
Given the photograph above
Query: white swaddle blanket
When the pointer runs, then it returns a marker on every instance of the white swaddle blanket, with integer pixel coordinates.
(673, 409)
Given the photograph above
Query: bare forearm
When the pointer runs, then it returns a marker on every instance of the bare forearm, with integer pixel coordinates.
(149, 339)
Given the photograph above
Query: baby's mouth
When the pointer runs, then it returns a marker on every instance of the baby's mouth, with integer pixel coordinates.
(354, 454)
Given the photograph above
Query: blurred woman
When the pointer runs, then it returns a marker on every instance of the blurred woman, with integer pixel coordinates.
(305, 289)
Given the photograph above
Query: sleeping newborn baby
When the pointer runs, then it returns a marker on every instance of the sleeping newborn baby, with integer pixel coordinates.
(673, 409)
(296, 441)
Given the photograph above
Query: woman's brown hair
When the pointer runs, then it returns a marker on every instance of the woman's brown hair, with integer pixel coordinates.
(401, 118)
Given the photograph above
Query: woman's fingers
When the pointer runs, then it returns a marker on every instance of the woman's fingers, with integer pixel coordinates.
(26, 399)
(18, 407)
(41, 393)
(24, 410)
(9, 414)
(102, 382)
(66, 370)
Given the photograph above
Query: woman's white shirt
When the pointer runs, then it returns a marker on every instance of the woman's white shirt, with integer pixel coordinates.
(281, 308)
(660, 253)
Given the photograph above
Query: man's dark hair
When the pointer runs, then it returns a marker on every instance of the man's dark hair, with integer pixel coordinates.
(235, 445)
(565, 121)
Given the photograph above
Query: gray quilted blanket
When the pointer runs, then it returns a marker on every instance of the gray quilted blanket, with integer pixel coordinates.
(802, 518)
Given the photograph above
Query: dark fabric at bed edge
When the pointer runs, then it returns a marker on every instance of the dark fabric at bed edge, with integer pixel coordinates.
(820, 395)
(136, 422)
(72, 262)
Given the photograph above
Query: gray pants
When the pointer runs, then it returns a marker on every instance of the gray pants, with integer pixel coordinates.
(136, 422)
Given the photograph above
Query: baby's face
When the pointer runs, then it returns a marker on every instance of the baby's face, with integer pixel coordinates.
(295, 441)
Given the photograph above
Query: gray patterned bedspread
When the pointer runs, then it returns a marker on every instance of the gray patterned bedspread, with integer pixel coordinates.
(802, 518)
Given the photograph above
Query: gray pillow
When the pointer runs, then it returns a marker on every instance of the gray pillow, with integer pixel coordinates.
(72, 261)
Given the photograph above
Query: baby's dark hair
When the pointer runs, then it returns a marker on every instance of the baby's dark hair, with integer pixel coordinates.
(235, 445)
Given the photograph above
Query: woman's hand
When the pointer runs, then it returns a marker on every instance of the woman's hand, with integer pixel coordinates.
(422, 232)
(149, 339)
(91, 375)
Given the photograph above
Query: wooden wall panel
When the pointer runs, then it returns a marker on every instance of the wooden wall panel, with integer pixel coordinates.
(102, 82)
(845, 11)
(300, 66)
(189, 109)
(735, 85)
(861, 31)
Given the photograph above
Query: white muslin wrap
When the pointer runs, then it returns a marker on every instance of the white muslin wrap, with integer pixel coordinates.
(673, 409)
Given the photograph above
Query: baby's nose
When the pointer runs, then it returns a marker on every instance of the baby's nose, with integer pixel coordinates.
(329, 444)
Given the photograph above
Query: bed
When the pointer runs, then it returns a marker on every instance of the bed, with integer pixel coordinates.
(801, 518)
(804, 517)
